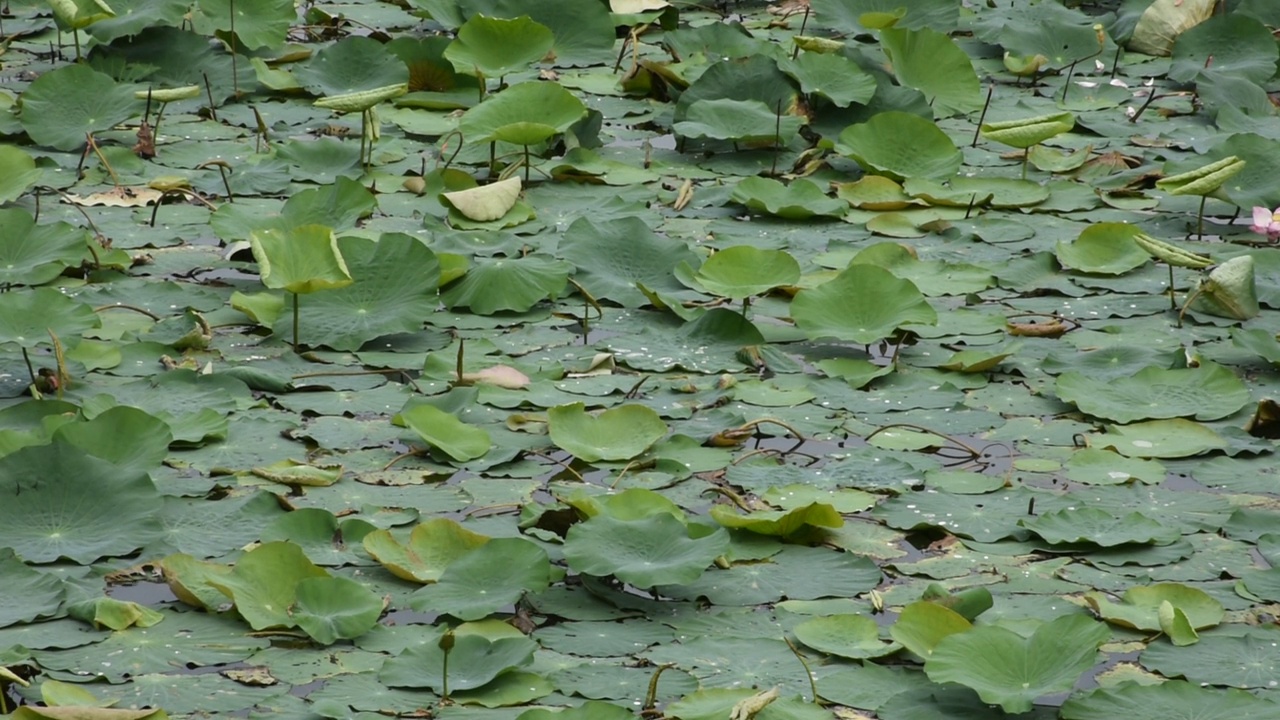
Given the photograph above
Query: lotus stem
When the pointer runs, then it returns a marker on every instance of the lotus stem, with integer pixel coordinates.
(30, 370)
(526, 164)
(1173, 304)
(1200, 217)
(295, 322)
(235, 79)
(651, 697)
(920, 428)
(134, 308)
(813, 686)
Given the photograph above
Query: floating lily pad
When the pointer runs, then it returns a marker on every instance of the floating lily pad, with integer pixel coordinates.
(1140, 605)
(863, 304)
(850, 636)
(1105, 248)
(901, 145)
(1208, 392)
(446, 433)
(431, 546)
(619, 433)
(507, 284)
(1169, 700)
(742, 271)
(1174, 438)
(335, 608)
(654, 550)
(486, 579)
(748, 121)
(65, 104)
(27, 593)
(1099, 527)
(472, 663)
(799, 200)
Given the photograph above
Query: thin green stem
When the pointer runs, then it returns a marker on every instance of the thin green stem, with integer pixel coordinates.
(30, 370)
(1200, 218)
(295, 322)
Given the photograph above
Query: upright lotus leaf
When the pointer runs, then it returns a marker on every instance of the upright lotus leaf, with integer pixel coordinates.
(79, 14)
(857, 16)
(127, 437)
(654, 550)
(264, 583)
(1103, 248)
(831, 76)
(523, 114)
(257, 24)
(742, 271)
(32, 254)
(1165, 20)
(485, 203)
(1229, 290)
(863, 304)
(517, 284)
(1096, 526)
(351, 66)
(779, 523)
(64, 105)
(473, 662)
(27, 593)
(923, 624)
(486, 579)
(1025, 132)
(492, 47)
(931, 62)
(1170, 699)
(1202, 181)
(619, 433)
(583, 29)
(752, 78)
(301, 260)
(46, 517)
(335, 608)
(901, 145)
(1233, 44)
(1207, 392)
(1011, 671)
(746, 121)
(446, 433)
(432, 545)
(1140, 605)
(798, 200)
(18, 172)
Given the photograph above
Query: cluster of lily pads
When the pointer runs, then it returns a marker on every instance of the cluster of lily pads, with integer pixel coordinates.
(489, 359)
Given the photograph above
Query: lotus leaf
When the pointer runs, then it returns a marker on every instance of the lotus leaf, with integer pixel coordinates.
(501, 284)
(742, 271)
(847, 15)
(782, 523)
(1229, 290)
(590, 710)
(1234, 44)
(748, 121)
(753, 78)
(485, 203)
(258, 24)
(795, 572)
(523, 114)
(863, 304)
(1011, 671)
(1169, 700)
(1099, 527)
(115, 614)
(27, 593)
(486, 579)
(831, 76)
(1140, 606)
(1025, 132)
(901, 145)
(65, 104)
(301, 260)
(352, 65)
(493, 47)
(335, 608)
(264, 583)
(446, 433)
(613, 256)
(1208, 392)
(431, 546)
(473, 662)
(654, 550)
(1104, 248)
(799, 200)
(18, 173)
(1174, 438)
(1246, 661)
(850, 636)
(48, 515)
(620, 433)
(931, 62)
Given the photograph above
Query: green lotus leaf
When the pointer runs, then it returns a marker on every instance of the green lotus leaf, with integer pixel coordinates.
(583, 29)
(446, 433)
(63, 105)
(393, 290)
(27, 593)
(1242, 661)
(849, 636)
(1203, 180)
(486, 579)
(619, 433)
(303, 259)
(779, 523)
(1093, 466)
(1207, 392)
(45, 516)
(851, 16)
(923, 624)
(1058, 34)
(613, 256)
(127, 437)
(264, 583)
(1011, 671)
(1171, 699)
(32, 254)
(497, 284)
(963, 192)
(1140, 605)
(1229, 290)
(26, 318)
(351, 66)
(523, 114)
(472, 663)
(831, 76)
(590, 710)
(1163, 21)
(1025, 132)
(1099, 527)
(1174, 438)
(742, 271)
(299, 474)
(1233, 44)
(431, 546)
(863, 304)
(18, 172)
(493, 47)
(931, 62)
(654, 550)
(900, 145)
(1258, 182)
(1103, 248)
(1259, 342)
(747, 121)
(968, 603)
(191, 580)
(485, 203)
(335, 608)
(799, 200)
(115, 614)
(755, 77)
(79, 14)
(257, 24)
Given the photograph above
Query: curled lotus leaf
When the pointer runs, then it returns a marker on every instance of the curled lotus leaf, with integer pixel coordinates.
(1203, 180)
(1025, 132)
(485, 203)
